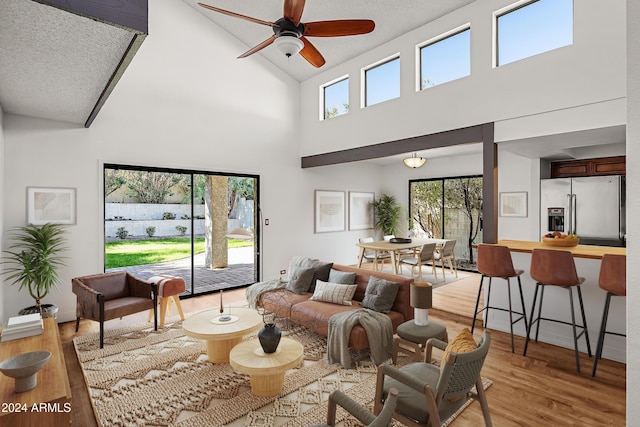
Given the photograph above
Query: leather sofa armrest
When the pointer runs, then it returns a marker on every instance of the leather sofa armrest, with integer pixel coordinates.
(141, 288)
(84, 292)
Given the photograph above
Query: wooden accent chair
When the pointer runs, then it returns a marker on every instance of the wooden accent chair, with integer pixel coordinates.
(337, 397)
(106, 296)
(428, 394)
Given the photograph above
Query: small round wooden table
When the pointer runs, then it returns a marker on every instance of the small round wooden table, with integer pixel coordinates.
(222, 335)
(266, 370)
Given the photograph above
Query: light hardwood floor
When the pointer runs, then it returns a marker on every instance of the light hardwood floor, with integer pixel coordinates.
(542, 388)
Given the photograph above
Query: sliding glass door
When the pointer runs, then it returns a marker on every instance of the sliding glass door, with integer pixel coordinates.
(199, 226)
(448, 208)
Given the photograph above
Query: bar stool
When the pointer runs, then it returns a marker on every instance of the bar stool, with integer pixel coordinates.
(495, 261)
(557, 268)
(613, 280)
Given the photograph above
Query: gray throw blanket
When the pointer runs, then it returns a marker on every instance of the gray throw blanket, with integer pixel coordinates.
(377, 326)
(254, 291)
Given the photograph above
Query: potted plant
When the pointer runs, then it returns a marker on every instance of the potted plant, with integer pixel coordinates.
(387, 214)
(32, 262)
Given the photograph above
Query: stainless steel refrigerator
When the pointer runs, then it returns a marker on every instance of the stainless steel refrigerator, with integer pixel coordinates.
(591, 207)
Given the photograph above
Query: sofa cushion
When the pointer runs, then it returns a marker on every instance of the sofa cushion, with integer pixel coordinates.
(300, 279)
(321, 271)
(346, 278)
(380, 294)
(335, 293)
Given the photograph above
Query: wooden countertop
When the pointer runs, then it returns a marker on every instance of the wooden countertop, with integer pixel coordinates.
(580, 251)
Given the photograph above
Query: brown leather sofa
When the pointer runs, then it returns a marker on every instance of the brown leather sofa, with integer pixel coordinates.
(106, 296)
(315, 314)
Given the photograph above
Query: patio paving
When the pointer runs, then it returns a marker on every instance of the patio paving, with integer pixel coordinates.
(240, 271)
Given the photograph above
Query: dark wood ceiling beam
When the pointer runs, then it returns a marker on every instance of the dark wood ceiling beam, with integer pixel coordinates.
(483, 134)
(468, 135)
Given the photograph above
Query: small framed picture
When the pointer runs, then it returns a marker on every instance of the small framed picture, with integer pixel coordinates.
(513, 204)
(360, 210)
(57, 205)
(329, 211)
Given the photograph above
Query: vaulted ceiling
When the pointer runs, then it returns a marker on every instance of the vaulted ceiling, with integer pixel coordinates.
(391, 18)
(61, 59)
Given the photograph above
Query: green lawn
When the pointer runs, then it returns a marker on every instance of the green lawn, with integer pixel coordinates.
(126, 253)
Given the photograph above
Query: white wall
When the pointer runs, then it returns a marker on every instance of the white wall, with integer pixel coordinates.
(184, 102)
(2, 181)
(590, 71)
(633, 206)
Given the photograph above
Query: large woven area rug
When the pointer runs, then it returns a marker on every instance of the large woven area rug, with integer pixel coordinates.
(146, 378)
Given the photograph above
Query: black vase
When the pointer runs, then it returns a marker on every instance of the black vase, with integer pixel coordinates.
(269, 337)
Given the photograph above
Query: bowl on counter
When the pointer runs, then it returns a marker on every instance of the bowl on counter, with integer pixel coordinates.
(567, 242)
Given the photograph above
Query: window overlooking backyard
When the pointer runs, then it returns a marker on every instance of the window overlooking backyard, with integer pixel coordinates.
(335, 96)
(198, 226)
(382, 82)
(533, 28)
(449, 208)
(445, 59)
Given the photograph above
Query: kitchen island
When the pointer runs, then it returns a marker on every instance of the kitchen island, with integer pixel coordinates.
(556, 304)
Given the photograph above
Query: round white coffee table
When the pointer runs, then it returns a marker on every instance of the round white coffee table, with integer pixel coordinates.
(222, 335)
(266, 370)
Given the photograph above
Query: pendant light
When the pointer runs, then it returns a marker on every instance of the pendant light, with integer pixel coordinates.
(414, 161)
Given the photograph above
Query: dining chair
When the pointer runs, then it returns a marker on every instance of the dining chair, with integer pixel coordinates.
(373, 256)
(426, 254)
(447, 253)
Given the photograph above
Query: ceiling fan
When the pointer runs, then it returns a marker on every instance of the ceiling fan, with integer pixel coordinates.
(290, 35)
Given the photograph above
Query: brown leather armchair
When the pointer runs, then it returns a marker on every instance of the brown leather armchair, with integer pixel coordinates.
(105, 296)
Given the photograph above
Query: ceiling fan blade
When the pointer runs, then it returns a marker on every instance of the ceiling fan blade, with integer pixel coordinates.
(237, 15)
(261, 46)
(311, 54)
(293, 10)
(346, 27)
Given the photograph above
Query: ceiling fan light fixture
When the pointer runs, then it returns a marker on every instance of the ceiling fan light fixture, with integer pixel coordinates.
(289, 45)
(414, 161)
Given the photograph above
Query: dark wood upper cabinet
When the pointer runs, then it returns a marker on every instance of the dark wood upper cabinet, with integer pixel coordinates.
(589, 167)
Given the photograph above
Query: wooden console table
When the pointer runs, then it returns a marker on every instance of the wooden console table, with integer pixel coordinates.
(49, 403)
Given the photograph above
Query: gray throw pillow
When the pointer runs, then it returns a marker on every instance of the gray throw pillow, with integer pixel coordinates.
(300, 279)
(342, 277)
(321, 271)
(380, 294)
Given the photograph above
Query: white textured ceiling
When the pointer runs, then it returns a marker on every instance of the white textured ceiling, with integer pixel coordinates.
(55, 64)
(393, 18)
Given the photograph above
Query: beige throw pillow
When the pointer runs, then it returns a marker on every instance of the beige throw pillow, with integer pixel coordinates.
(335, 293)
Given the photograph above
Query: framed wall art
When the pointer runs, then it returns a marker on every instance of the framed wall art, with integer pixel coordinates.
(329, 211)
(46, 204)
(360, 210)
(513, 204)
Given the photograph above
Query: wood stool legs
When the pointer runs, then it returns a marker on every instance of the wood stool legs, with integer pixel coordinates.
(164, 302)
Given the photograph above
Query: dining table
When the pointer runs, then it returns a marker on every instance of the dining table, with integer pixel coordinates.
(394, 248)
